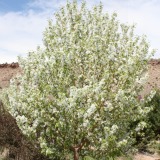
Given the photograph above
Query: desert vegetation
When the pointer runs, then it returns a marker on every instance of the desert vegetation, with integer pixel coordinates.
(80, 97)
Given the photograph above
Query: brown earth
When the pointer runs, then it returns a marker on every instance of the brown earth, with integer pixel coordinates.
(154, 76)
(11, 139)
(7, 71)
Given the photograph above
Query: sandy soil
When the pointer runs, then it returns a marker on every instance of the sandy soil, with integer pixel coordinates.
(154, 76)
(7, 71)
(146, 157)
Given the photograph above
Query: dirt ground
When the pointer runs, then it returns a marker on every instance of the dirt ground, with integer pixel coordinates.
(154, 76)
(7, 71)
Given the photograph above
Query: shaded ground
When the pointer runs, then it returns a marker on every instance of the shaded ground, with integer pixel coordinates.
(13, 144)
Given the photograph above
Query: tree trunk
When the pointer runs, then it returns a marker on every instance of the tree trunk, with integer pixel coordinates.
(76, 155)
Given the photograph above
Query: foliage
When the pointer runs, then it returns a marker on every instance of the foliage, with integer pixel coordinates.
(154, 146)
(154, 115)
(151, 133)
(79, 94)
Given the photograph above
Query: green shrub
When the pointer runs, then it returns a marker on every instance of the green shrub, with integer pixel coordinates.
(151, 132)
(154, 115)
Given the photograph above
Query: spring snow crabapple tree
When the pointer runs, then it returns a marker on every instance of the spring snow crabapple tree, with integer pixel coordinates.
(77, 96)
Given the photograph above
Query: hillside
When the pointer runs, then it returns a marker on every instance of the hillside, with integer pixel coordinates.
(7, 71)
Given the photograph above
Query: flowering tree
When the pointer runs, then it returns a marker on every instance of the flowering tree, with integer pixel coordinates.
(77, 97)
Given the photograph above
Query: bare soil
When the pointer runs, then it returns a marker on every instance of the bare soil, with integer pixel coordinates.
(11, 139)
(7, 71)
(146, 157)
(154, 76)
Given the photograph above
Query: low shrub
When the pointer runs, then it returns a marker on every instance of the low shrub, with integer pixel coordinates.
(154, 115)
(151, 133)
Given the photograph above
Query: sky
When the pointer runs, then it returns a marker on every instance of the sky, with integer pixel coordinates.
(22, 22)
